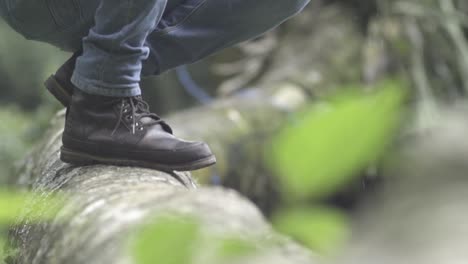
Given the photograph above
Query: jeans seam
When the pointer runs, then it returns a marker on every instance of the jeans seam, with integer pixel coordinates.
(113, 46)
(182, 22)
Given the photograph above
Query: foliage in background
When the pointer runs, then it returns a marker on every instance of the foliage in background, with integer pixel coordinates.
(427, 41)
(26, 108)
(19, 130)
(324, 150)
(330, 143)
(24, 65)
(14, 143)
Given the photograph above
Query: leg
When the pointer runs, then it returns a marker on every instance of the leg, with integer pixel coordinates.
(188, 31)
(115, 47)
(198, 28)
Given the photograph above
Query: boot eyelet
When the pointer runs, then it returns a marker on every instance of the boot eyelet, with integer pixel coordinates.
(141, 128)
(129, 117)
(137, 124)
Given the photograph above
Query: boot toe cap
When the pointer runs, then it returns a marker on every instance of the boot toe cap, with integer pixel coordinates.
(193, 150)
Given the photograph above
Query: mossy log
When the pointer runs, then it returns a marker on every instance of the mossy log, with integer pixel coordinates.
(102, 205)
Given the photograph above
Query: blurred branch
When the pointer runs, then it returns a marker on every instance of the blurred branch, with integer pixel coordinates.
(255, 55)
(418, 10)
(434, 48)
(455, 31)
(426, 104)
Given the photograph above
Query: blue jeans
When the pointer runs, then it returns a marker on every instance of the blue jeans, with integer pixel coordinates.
(125, 39)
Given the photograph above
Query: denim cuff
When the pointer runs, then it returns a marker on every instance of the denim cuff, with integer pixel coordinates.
(98, 88)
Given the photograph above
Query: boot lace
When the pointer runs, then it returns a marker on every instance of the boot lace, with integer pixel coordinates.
(138, 109)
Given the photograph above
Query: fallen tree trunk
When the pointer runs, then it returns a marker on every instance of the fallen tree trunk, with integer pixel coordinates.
(105, 204)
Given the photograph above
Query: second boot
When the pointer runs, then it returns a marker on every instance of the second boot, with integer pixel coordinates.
(59, 84)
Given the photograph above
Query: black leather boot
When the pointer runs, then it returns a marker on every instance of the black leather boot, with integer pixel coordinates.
(59, 84)
(122, 131)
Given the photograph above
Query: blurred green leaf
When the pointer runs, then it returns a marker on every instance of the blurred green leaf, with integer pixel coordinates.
(24, 65)
(233, 248)
(19, 130)
(8, 251)
(14, 204)
(37, 208)
(3, 245)
(329, 144)
(169, 240)
(321, 229)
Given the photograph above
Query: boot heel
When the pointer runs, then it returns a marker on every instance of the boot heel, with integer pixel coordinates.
(58, 91)
(75, 158)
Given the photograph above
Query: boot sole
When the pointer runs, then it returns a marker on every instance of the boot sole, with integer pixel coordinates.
(84, 159)
(58, 90)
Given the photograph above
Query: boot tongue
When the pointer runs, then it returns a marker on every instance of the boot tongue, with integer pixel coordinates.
(150, 119)
(146, 120)
(163, 126)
